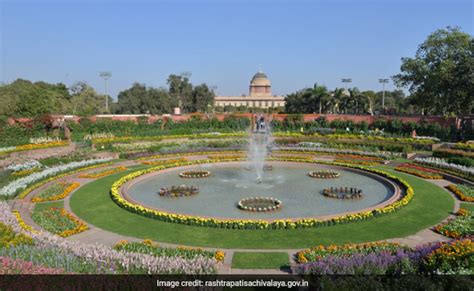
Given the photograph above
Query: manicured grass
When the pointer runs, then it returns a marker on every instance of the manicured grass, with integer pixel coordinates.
(467, 206)
(259, 260)
(45, 205)
(430, 205)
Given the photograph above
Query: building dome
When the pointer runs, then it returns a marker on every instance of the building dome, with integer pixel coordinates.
(260, 79)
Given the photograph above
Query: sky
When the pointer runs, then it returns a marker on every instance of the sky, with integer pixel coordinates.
(221, 43)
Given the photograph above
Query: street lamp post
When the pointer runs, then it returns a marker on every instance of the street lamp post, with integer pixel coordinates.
(106, 76)
(346, 80)
(383, 81)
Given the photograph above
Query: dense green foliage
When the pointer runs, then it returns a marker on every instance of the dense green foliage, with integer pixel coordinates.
(294, 122)
(440, 76)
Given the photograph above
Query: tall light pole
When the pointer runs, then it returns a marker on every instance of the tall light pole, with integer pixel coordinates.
(383, 81)
(106, 76)
(345, 80)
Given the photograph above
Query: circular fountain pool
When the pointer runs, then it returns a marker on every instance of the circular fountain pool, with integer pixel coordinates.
(300, 194)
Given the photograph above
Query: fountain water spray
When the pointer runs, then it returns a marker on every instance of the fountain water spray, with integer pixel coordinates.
(258, 147)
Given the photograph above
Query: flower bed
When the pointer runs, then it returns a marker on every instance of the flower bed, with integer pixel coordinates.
(162, 162)
(22, 223)
(388, 259)
(195, 174)
(188, 153)
(442, 164)
(56, 191)
(419, 171)
(259, 204)
(20, 184)
(254, 224)
(461, 226)
(28, 190)
(9, 238)
(123, 139)
(342, 193)
(316, 253)
(10, 266)
(219, 157)
(178, 191)
(31, 146)
(298, 148)
(463, 192)
(152, 248)
(59, 221)
(54, 251)
(324, 174)
(360, 160)
(103, 173)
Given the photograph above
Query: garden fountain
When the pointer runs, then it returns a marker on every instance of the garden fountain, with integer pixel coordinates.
(260, 139)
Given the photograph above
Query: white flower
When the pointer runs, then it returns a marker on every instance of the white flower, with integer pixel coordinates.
(20, 184)
(441, 163)
(25, 166)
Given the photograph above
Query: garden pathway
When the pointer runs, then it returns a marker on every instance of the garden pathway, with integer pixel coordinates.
(101, 236)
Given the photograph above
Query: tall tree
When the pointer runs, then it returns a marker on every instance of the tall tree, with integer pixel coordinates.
(85, 101)
(202, 97)
(181, 91)
(441, 76)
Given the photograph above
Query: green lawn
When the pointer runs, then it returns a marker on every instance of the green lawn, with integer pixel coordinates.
(44, 205)
(430, 205)
(260, 260)
(468, 206)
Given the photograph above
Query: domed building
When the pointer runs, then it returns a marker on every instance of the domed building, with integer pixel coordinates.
(260, 95)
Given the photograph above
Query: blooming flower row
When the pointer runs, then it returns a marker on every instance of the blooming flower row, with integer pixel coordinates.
(463, 192)
(418, 171)
(334, 151)
(110, 260)
(162, 137)
(31, 164)
(68, 189)
(31, 146)
(252, 224)
(32, 187)
(13, 187)
(103, 173)
(358, 136)
(442, 164)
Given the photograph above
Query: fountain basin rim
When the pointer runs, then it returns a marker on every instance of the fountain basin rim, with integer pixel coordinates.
(397, 193)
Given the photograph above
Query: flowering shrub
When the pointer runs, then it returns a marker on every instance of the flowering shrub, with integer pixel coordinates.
(252, 224)
(103, 173)
(419, 171)
(149, 247)
(358, 136)
(9, 266)
(52, 249)
(463, 192)
(13, 187)
(59, 221)
(461, 226)
(56, 191)
(442, 164)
